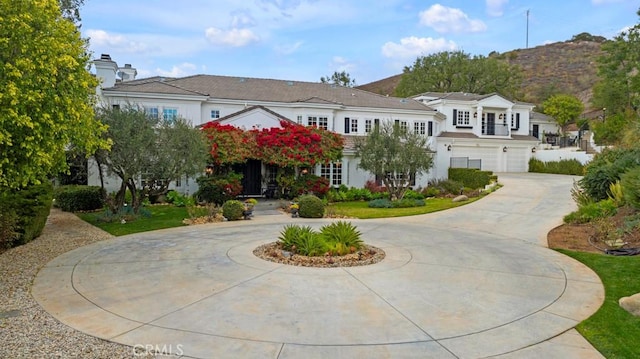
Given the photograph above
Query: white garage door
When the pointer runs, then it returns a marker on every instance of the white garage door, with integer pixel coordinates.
(517, 160)
(488, 155)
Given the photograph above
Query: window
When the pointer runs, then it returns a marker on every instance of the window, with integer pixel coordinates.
(403, 125)
(420, 127)
(319, 122)
(300, 119)
(215, 114)
(179, 182)
(332, 172)
(430, 129)
(115, 107)
(152, 112)
(354, 125)
(462, 118)
(515, 121)
(367, 125)
(169, 114)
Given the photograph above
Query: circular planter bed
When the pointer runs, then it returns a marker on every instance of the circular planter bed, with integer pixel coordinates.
(273, 252)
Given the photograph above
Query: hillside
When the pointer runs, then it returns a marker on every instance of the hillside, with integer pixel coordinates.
(561, 67)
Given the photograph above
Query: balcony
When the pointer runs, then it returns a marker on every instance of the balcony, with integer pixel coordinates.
(493, 129)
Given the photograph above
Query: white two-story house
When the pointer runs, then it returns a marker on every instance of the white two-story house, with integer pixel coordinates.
(262, 103)
(458, 127)
(482, 131)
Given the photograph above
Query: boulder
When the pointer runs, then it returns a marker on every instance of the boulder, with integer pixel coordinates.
(631, 304)
(461, 198)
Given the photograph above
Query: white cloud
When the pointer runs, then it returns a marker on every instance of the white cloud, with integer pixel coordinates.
(339, 63)
(411, 47)
(101, 38)
(446, 19)
(181, 70)
(494, 7)
(288, 49)
(234, 37)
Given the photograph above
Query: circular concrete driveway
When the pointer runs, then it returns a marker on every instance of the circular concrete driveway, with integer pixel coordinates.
(464, 283)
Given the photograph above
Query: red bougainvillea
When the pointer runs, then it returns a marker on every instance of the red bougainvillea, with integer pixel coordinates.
(229, 144)
(290, 145)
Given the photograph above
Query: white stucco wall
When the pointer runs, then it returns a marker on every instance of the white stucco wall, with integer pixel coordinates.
(562, 154)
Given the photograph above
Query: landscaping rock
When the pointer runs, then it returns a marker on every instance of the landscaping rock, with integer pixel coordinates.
(631, 304)
(461, 198)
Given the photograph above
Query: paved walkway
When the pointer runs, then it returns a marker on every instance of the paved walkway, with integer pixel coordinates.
(472, 282)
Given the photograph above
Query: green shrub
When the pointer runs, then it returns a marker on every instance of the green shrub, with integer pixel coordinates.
(31, 206)
(336, 238)
(233, 210)
(606, 168)
(219, 189)
(310, 206)
(411, 194)
(178, 199)
(310, 244)
(125, 214)
(8, 227)
(73, 198)
(448, 186)
(380, 203)
(407, 203)
(563, 167)
(342, 237)
(616, 193)
(630, 182)
(470, 177)
(311, 184)
(592, 211)
(431, 191)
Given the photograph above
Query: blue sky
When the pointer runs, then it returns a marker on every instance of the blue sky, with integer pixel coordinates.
(306, 39)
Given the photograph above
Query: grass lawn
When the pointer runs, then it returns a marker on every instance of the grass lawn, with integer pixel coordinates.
(612, 330)
(361, 210)
(161, 217)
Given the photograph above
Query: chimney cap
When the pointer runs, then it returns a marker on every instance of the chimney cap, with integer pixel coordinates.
(105, 57)
(128, 66)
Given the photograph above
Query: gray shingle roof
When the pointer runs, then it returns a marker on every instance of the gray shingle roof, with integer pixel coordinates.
(465, 96)
(268, 90)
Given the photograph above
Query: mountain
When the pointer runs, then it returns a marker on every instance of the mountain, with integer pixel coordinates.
(560, 67)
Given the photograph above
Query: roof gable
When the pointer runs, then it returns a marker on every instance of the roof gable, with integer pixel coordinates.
(254, 117)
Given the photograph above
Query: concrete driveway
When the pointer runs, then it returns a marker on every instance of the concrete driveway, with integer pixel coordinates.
(472, 282)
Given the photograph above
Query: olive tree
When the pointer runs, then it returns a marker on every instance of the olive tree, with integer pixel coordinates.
(395, 155)
(144, 147)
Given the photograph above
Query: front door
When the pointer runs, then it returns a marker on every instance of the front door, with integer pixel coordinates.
(491, 123)
(251, 177)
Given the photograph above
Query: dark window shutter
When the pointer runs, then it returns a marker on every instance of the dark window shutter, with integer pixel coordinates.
(346, 125)
(430, 129)
(455, 116)
(517, 121)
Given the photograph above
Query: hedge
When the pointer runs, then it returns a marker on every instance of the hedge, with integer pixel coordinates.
(471, 177)
(562, 167)
(74, 198)
(25, 212)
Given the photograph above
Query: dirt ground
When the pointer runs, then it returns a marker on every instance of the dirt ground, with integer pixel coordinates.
(590, 237)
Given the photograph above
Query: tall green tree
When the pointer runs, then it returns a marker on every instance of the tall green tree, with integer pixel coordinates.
(71, 9)
(144, 147)
(339, 78)
(457, 71)
(395, 155)
(619, 87)
(564, 108)
(46, 92)
(619, 73)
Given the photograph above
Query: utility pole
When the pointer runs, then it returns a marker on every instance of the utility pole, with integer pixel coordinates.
(527, 28)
